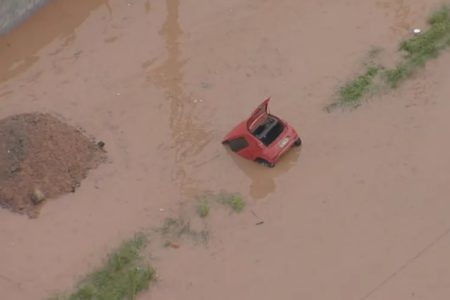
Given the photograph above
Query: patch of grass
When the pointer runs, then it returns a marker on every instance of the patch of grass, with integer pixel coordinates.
(439, 16)
(233, 201)
(123, 275)
(393, 77)
(352, 92)
(421, 48)
(417, 51)
(202, 209)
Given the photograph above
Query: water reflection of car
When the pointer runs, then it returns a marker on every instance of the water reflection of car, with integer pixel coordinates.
(263, 137)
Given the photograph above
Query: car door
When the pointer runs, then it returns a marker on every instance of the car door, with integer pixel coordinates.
(244, 146)
(258, 115)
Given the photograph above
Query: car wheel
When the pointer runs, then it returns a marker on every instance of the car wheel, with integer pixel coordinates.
(298, 142)
(265, 163)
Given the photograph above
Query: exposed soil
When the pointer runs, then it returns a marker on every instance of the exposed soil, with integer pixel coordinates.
(41, 157)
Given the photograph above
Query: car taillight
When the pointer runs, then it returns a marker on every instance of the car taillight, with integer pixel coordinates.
(283, 142)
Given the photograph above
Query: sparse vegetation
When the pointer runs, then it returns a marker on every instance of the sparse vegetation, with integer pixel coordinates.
(203, 209)
(417, 51)
(126, 273)
(174, 229)
(233, 201)
(353, 91)
(123, 275)
(423, 47)
(393, 76)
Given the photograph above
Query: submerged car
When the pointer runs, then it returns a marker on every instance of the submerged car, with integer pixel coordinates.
(263, 137)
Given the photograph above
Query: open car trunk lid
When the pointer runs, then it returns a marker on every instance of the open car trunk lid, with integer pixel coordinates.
(259, 115)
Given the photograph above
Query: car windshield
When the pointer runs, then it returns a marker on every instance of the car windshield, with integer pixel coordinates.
(268, 130)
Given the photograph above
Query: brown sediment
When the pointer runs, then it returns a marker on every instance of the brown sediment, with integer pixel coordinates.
(40, 158)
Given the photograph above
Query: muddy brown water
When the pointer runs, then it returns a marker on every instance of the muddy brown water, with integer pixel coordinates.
(359, 213)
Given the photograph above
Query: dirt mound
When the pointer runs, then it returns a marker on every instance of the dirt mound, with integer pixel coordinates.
(41, 157)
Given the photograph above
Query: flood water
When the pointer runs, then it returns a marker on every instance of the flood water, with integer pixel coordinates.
(360, 212)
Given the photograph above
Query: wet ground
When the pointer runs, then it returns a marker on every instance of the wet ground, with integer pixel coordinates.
(359, 213)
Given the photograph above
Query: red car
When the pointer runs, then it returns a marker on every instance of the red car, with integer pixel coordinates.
(263, 137)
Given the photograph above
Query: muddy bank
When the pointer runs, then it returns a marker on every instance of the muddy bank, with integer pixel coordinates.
(13, 12)
(41, 157)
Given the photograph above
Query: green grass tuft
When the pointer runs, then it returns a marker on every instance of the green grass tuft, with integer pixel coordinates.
(417, 51)
(123, 275)
(233, 201)
(440, 15)
(431, 42)
(421, 48)
(393, 77)
(202, 209)
(352, 92)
